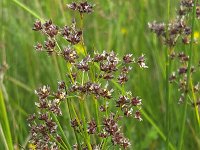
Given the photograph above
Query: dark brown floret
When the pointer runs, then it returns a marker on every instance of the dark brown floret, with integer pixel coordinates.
(84, 64)
(135, 101)
(125, 69)
(37, 25)
(122, 101)
(108, 76)
(61, 85)
(92, 127)
(100, 57)
(50, 29)
(122, 78)
(49, 45)
(183, 57)
(138, 115)
(182, 70)
(128, 58)
(43, 116)
(70, 55)
(141, 62)
(82, 7)
(71, 34)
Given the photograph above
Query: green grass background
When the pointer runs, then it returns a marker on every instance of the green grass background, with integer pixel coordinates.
(119, 25)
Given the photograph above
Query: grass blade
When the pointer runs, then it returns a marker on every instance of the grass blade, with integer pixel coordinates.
(5, 122)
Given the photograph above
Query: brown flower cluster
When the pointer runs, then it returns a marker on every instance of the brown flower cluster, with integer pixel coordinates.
(112, 129)
(82, 7)
(171, 32)
(42, 125)
(52, 32)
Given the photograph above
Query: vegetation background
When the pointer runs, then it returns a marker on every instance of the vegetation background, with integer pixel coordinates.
(119, 25)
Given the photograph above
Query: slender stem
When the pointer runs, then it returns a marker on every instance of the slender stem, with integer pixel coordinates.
(82, 38)
(188, 77)
(168, 63)
(61, 130)
(61, 146)
(84, 124)
(70, 115)
(167, 100)
(97, 114)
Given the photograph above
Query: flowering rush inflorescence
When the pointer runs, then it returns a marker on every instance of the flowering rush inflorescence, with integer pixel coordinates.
(97, 78)
(170, 34)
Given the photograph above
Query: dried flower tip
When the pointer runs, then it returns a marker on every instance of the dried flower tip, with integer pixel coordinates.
(186, 40)
(135, 101)
(138, 115)
(38, 47)
(43, 92)
(128, 58)
(172, 77)
(141, 62)
(181, 99)
(198, 12)
(196, 87)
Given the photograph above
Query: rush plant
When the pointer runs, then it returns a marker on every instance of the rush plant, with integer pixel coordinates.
(93, 79)
(177, 32)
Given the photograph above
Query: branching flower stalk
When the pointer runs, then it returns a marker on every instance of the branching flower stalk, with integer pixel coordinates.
(93, 76)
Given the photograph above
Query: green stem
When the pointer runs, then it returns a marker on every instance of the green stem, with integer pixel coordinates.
(156, 128)
(28, 10)
(70, 115)
(5, 122)
(188, 77)
(84, 124)
(82, 38)
(167, 100)
(97, 114)
(168, 63)
(61, 130)
(57, 142)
